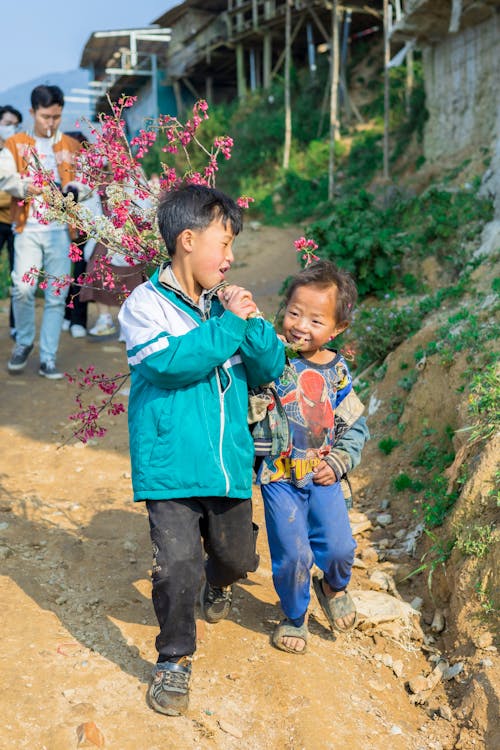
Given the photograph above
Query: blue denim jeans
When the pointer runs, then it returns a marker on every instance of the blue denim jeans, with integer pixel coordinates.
(304, 526)
(47, 249)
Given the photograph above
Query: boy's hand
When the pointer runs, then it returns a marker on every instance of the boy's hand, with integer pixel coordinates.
(238, 300)
(324, 474)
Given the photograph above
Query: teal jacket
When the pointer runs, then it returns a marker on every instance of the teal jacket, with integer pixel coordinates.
(188, 403)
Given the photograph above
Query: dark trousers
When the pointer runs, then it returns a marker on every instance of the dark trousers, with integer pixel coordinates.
(177, 529)
(7, 237)
(77, 314)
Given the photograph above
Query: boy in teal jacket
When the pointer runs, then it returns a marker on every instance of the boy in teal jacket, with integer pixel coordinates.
(194, 345)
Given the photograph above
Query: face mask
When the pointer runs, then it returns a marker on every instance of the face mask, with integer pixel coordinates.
(6, 131)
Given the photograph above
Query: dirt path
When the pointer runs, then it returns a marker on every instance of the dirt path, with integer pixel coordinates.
(77, 627)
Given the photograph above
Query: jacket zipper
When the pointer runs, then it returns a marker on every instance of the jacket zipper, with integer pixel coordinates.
(222, 423)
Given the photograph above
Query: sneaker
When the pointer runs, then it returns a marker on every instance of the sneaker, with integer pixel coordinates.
(216, 602)
(104, 326)
(19, 358)
(169, 690)
(78, 331)
(65, 325)
(49, 370)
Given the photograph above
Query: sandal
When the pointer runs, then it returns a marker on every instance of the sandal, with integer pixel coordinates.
(335, 608)
(285, 629)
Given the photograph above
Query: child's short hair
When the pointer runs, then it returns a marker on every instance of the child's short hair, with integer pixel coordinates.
(324, 274)
(46, 96)
(195, 207)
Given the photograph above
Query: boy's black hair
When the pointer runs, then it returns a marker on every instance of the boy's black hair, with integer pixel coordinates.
(12, 111)
(46, 96)
(195, 207)
(325, 274)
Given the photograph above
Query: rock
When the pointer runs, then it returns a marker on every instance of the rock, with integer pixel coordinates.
(387, 660)
(418, 684)
(398, 668)
(376, 607)
(369, 554)
(230, 729)
(5, 552)
(360, 527)
(385, 504)
(4, 525)
(384, 519)
(484, 640)
(438, 622)
(486, 663)
(453, 671)
(396, 730)
(88, 735)
(416, 603)
(445, 713)
(380, 579)
(357, 563)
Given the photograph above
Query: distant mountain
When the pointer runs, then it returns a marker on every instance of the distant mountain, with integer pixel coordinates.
(19, 96)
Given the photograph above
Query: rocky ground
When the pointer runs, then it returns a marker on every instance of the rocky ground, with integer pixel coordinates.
(77, 626)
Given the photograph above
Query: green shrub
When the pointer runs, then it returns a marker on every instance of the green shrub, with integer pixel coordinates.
(387, 445)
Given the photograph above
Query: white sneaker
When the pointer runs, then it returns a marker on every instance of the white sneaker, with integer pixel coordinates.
(66, 324)
(78, 332)
(104, 326)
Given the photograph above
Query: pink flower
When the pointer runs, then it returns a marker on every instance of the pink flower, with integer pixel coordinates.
(244, 201)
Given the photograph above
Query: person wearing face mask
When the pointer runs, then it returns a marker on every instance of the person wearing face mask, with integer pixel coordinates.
(37, 242)
(10, 119)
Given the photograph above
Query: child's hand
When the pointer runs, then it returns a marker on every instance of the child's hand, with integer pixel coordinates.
(238, 300)
(324, 474)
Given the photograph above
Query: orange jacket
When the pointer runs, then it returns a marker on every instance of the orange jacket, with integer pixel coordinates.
(65, 149)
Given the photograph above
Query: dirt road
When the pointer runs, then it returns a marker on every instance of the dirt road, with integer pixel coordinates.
(77, 626)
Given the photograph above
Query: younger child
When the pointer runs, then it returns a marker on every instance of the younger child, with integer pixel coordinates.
(194, 347)
(306, 514)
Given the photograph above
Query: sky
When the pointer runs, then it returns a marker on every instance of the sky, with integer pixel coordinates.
(48, 37)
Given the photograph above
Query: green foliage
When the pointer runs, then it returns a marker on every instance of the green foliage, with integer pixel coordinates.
(408, 381)
(358, 237)
(437, 554)
(433, 457)
(437, 502)
(476, 540)
(403, 482)
(484, 403)
(365, 158)
(387, 445)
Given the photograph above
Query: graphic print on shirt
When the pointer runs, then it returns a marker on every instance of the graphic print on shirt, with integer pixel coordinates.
(309, 398)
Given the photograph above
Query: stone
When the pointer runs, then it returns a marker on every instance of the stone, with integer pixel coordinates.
(445, 713)
(369, 554)
(89, 735)
(384, 519)
(453, 671)
(418, 684)
(230, 729)
(416, 603)
(377, 607)
(438, 622)
(398, 668)
(381, 579)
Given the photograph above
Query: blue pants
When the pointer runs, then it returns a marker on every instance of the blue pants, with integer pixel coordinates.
(47, 249)
(305, 526)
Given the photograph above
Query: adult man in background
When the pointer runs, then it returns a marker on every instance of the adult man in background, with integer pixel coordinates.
(38, 244)
(10, 119)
